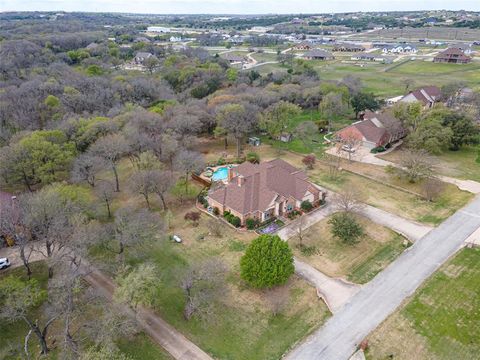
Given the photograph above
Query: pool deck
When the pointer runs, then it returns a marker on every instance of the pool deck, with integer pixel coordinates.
(213, 169)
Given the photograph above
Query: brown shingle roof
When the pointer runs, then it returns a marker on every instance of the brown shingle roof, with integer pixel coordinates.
(254, 187)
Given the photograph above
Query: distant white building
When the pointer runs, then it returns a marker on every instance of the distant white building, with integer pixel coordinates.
(175, 39)
(158, 29)
(400, 49)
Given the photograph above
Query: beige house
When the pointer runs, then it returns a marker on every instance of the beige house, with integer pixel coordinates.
(262, 191)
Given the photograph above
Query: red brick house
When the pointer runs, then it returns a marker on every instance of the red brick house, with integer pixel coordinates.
(376, 129)
(262, 191)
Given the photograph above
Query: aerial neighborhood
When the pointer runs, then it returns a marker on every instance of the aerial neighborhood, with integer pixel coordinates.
(182, 185)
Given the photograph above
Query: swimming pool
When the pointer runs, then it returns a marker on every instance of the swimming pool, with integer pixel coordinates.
(220, 174)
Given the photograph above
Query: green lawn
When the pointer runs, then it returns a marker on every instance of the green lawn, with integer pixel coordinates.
(358, 263)
(461, 164)
(237, 331)
(393, 200)
(297, 145)
(442, 320)
(383, 82)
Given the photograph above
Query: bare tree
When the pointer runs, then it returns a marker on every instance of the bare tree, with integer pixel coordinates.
(432, 188)
(86, 167)
(132, 227)
(48, 216)
(333, 163)
(215, 227)
(349, 200)
(163, 182)
(300, 230)
(416, 165)
(278, 299)
(111, 148)
(106, 194)
(12, 225)
(350, 141)
(189, 161)
(143, 182)
(202, 285)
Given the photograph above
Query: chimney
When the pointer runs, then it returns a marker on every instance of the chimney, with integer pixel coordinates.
(231, 174)
(240, 180)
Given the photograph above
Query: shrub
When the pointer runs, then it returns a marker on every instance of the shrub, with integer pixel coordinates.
(346, 228)
(377, 149)
(226, 213)
(306, 205)
(253, 157)
(251, 223)
(235, 221)
(309, 161)
(193, 216)
(216, 211)
(221, 161)
(268, 261)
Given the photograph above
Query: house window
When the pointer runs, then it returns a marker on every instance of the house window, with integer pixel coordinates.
(266, 215)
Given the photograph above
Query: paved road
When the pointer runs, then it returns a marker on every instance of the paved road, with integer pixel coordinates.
(338, 338)
(408, 228)
(335, 292)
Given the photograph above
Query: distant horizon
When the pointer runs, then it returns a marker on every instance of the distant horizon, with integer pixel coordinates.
(235, 7)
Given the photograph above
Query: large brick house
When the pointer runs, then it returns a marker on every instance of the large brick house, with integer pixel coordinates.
(262, 191)
(454, 55)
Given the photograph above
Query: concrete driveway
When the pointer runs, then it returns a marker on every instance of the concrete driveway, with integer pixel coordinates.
(375, 301)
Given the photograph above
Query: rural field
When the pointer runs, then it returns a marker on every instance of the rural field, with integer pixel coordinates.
(388, 80)
(408, 33)
(441, 321)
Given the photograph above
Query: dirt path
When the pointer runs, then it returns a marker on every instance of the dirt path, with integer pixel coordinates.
(159, 330)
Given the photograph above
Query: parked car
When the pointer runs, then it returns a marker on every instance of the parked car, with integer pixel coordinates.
(348, 148)
(4, 263)
(176, 238)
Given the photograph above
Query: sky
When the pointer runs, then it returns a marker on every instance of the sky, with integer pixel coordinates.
(234, 6)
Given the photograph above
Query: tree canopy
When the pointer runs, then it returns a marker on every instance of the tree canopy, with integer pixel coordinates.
(268, 261)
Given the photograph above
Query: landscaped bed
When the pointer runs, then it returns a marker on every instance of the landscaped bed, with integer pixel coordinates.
(441, 321)
(358, 263)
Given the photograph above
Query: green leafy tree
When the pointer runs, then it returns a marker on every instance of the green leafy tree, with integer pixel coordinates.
(138, 286)
(268, 261)
(332, 105)
(346, 228)
(364, 101)
(431, 136)
(17, 299)
(410, 114)
(276, 117)
(43, 156)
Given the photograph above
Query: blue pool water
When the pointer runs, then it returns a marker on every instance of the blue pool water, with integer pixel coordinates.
(220, 174)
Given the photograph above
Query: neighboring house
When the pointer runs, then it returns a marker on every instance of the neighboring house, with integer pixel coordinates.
(369, 57)
(303, 46)
(233, 59)
(427, 95)
(393, 100)
(262, 191)
(452, 55)
(348, 48)
(318, 54)
(285, 137)
(465, 48)
(141, 56)
(400, 49)
(376, 129)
